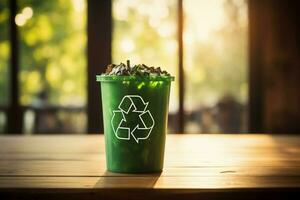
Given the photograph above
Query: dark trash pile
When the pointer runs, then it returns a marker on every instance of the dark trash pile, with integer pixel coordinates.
(136, 70)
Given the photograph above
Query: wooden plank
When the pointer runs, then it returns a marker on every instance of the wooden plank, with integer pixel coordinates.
(52, 144)
(195, 150)
(191, 161)
(207, 182)
(88, 168)
(196, 166)
(201, 158)
(189, 143)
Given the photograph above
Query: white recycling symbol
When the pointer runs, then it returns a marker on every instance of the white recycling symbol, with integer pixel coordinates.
(132, 119)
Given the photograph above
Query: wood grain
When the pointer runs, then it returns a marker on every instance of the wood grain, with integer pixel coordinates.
(224, 163)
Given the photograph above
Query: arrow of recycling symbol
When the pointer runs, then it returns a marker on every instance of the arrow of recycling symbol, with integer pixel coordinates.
(141, 131)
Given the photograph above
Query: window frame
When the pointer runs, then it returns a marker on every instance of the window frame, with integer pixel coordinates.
(99, 18)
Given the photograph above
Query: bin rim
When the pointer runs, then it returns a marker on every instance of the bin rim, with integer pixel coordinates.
(111, 78)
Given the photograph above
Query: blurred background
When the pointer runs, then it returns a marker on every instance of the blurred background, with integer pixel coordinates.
(236, 62)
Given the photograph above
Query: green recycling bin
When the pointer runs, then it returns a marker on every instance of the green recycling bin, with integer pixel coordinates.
(135, 115)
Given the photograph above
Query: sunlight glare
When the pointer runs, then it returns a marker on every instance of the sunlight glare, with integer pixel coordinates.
(78, 5)
(209, 14)
(166, 30)
(27, 12)
(22, 17)
(127, 45)
(20, 20)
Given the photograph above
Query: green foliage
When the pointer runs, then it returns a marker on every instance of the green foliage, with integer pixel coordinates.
(52, 52)
(145, 32)
(4, 52)
(53, 58)
(217, 66)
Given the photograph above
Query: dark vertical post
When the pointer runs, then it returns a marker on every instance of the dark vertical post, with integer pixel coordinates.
(180, 68)
(256, 69)
(274, 66)
(99, 55)
(14, 115)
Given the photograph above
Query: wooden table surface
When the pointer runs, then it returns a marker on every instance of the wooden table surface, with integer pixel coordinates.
(196, 166)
